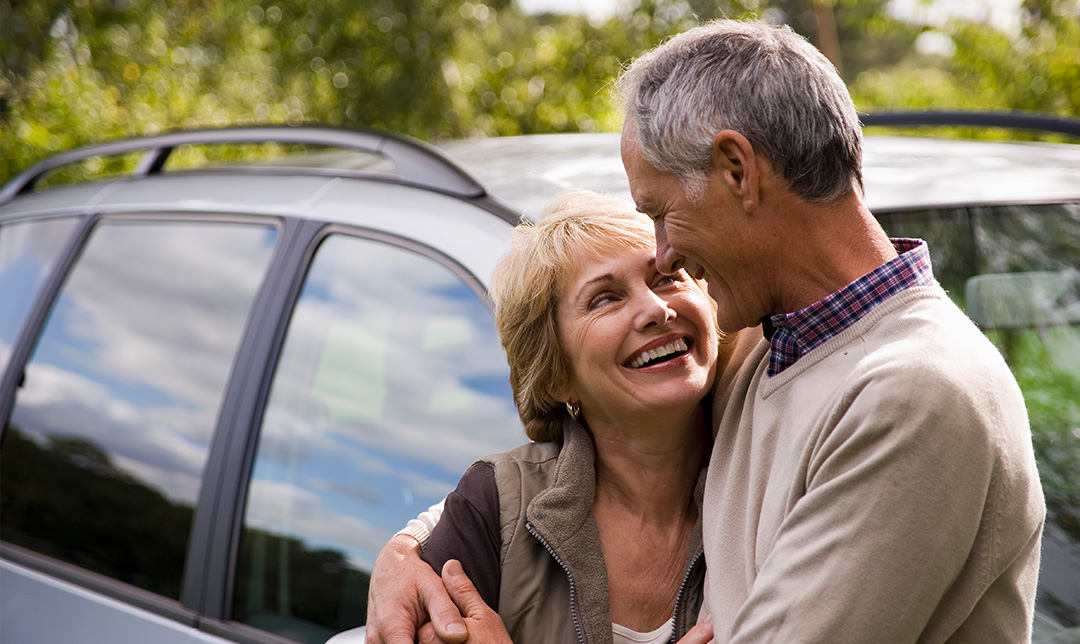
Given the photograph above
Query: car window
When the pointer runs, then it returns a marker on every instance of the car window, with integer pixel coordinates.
(390, 384)
(1016, 270)
(28, 250)
(103, 454)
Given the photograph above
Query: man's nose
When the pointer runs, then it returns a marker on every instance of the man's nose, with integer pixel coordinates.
(667, 260)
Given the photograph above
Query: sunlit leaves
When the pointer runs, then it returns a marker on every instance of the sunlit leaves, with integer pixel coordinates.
(1037, 69)
(87, 71)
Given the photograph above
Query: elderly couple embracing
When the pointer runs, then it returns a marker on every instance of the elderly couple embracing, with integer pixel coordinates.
(755, 417)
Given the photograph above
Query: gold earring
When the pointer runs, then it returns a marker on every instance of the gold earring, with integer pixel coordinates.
(574, 409)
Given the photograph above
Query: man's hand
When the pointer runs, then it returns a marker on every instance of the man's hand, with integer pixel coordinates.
(404, 594)
(484, 624)
(701, 633)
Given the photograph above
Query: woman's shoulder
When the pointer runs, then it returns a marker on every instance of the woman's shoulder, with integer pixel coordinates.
(527, 454)
(520, 474)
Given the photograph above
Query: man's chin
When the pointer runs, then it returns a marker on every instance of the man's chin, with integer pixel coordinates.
(714, 293)
(729, 323)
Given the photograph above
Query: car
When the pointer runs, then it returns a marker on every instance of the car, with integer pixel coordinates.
(225, 386)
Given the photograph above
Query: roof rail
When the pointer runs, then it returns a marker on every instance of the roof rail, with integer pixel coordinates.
(1011, 120)
(416, 162)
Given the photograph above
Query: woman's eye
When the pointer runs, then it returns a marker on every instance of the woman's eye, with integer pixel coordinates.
(667, 280)
(601, 300)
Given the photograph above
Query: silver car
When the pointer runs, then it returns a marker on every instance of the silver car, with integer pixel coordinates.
(225, 386)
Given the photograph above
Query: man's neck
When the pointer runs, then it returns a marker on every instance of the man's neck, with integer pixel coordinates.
(823, 248)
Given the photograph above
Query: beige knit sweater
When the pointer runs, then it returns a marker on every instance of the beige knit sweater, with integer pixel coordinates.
(882, 489)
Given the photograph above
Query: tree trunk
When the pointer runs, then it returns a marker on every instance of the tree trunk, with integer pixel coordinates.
(826, 37)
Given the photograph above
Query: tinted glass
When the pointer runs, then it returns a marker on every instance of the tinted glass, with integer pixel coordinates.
(101, 461)
(391, 383)
(28, 250)
(1016, 269)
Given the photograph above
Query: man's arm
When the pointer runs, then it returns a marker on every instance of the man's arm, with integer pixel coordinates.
(918, 501)
(405, 590)
(406, 593)
(421, 527)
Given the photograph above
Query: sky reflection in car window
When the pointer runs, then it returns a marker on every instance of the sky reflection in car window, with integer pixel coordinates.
(28, 250)
(136, 353)
(111, 428)
(391, 382)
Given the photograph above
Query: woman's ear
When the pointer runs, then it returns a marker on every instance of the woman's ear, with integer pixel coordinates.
(563, 393)
(560, 396)
(734, 159)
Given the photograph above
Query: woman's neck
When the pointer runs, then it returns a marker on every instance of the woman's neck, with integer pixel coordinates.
(646, 473)
(649, 468)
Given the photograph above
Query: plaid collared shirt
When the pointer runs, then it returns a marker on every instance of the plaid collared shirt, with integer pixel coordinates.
(793, 335)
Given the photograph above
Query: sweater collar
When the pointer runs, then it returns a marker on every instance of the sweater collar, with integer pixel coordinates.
(793, 335)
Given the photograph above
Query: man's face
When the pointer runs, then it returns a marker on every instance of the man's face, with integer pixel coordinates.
(705, 238)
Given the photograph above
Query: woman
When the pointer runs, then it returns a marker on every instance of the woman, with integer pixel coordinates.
(591, 533)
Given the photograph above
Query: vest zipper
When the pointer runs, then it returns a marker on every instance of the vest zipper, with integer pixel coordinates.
(570, 577)
(679, 597)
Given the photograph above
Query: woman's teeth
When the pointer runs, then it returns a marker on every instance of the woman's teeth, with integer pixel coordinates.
(678, 346)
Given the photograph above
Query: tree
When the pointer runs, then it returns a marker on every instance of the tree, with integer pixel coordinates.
(1036, 69)
(77, 72)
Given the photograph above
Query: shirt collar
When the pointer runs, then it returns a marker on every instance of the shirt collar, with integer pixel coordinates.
(793, 335)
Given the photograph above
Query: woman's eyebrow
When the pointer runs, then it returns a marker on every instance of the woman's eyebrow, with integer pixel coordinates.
(606, 277)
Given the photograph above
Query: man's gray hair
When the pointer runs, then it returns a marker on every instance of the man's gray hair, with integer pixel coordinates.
(765, 82)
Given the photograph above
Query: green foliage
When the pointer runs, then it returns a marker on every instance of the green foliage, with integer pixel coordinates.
(1037, 69)
(77, 72)
(1042, 365)
(429, 68)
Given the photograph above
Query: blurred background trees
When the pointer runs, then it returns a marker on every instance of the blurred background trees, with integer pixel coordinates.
(75, 72)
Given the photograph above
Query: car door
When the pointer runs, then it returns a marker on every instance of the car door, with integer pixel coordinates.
(135, 322)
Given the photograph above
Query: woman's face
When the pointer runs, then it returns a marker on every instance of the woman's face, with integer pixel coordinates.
(637, 341)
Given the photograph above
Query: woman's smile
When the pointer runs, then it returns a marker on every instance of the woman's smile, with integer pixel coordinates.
(660, 352)
(639, 341)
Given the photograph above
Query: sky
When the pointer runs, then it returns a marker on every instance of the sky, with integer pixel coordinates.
(594, 9)
(1001, 14)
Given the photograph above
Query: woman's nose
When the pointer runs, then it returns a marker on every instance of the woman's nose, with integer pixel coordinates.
(653, 309)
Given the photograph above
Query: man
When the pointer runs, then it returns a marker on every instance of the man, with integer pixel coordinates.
(872, 478)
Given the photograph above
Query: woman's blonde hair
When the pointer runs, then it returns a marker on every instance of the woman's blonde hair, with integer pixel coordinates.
(528, 282)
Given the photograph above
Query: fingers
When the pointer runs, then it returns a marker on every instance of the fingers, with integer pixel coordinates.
(485, 625)
(446, 619)
(404, 591)
(701, 633)
(462, 591)
(427, 635)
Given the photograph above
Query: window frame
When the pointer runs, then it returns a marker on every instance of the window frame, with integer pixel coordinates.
(186, 611)
(232, 452)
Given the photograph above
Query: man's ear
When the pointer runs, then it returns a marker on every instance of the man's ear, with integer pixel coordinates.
(737, 164)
